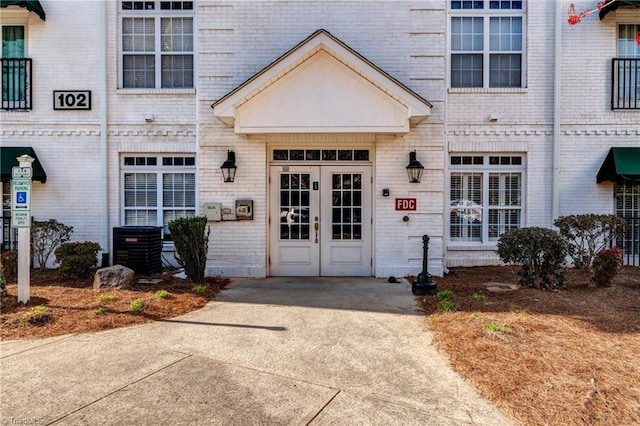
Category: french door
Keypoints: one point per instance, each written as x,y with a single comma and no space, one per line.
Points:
320,221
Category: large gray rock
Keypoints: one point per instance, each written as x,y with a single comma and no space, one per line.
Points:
116,276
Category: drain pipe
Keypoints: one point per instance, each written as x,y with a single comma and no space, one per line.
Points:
557,86
104,166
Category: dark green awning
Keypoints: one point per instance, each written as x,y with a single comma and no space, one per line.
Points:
31,5
8,160
616,4
621,163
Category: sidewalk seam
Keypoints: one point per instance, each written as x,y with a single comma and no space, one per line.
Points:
59,419
323,407
39,346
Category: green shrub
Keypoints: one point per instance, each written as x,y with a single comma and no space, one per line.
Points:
77,259
38,315
100,310
191,239
539,251
494,327
446,305
45,237
477,297
445,301
137,306
606,264
9,262
107,297
445,295
200,289
162,294
587,234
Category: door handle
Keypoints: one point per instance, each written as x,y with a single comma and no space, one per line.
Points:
316,226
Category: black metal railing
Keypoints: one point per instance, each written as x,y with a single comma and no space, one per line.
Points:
629,242
9,235
16,83
625,83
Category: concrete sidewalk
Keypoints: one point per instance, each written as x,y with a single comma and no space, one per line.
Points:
276,351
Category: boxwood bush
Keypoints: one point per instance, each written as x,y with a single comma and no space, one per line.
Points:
77,260
541,254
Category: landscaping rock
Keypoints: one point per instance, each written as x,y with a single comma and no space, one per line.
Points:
116,276
501,287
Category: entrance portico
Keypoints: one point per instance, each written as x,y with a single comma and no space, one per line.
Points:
313,108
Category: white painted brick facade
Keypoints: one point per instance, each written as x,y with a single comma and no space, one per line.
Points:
236,39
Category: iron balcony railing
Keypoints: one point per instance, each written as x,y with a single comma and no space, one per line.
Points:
625,83
16,83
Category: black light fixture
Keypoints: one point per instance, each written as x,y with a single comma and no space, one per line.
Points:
414,169
229,167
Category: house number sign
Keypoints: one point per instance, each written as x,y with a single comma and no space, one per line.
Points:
72,99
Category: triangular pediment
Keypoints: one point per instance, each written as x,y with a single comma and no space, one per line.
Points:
321,86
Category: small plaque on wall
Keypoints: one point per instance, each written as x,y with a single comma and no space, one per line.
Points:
72,99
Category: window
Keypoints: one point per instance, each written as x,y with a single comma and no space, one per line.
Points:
487,43
320,155
16,69
626,69
628,208
157,44
157,190
485,196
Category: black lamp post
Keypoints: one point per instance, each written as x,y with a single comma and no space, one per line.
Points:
229,167
414,169
424,285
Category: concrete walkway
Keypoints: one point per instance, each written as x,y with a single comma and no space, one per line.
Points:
274,351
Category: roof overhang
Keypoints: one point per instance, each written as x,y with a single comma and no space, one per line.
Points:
31,5
620,164
322,86
612,6
8,159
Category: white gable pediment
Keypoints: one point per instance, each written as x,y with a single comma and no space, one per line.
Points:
321,86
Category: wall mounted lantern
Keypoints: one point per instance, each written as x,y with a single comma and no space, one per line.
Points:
229,167
414,169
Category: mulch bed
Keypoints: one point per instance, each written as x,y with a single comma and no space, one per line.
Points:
73,306
566,357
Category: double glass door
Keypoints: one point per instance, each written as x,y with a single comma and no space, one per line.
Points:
320,222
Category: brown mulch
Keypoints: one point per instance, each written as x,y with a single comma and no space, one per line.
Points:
568,357
74,306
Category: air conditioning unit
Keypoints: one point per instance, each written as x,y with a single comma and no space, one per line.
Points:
138,248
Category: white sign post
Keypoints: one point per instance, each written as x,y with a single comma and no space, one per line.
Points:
21,219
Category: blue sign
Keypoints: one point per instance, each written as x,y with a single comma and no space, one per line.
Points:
21,197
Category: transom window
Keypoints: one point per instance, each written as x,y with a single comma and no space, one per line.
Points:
485,196
487,43
320,155
157,190
157,44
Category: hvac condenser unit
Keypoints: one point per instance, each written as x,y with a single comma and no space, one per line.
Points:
138,248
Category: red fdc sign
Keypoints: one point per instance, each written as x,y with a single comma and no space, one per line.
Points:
405,203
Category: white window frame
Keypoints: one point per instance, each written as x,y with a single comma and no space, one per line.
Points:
472,210
631,85
486,13
159,170
157,14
